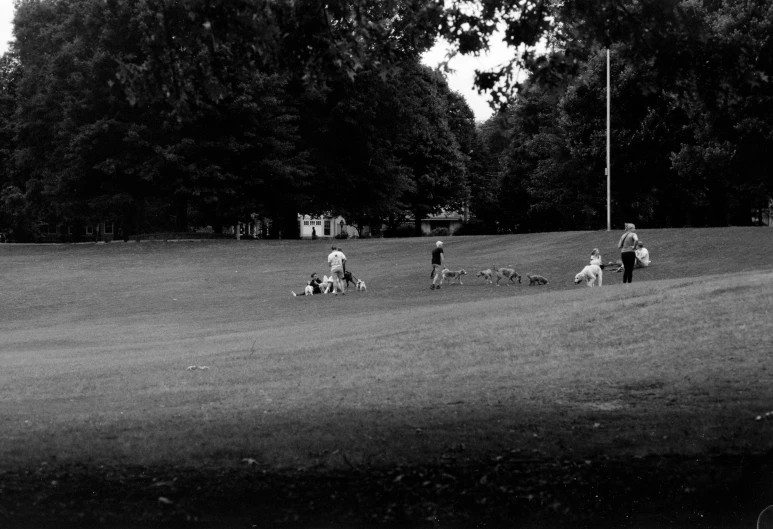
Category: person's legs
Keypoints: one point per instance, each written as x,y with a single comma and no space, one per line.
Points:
629,260
438,279
338,280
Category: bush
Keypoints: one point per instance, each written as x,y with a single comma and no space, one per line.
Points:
440,232
342,235
406,230
475,228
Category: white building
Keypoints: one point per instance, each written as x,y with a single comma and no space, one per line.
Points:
324,227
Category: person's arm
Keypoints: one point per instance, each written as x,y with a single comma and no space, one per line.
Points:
442,258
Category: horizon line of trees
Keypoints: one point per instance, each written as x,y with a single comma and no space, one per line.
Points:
167,114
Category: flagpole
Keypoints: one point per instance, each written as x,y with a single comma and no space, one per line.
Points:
609,175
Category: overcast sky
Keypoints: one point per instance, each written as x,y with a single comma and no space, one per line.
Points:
461,81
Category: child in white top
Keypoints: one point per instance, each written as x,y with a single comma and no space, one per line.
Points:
595,257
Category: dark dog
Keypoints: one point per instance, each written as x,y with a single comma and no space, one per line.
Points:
349,278
536,280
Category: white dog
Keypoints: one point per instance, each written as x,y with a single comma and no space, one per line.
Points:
589,274
308,291
361,285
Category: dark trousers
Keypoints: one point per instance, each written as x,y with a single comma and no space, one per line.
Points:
629,260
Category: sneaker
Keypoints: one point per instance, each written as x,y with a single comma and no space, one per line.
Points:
294,294
438,287
432,287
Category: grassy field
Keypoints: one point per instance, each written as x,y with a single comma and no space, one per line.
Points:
635,406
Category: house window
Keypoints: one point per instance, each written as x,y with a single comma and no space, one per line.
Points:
89,229
319,223
108,227
305,222
327,228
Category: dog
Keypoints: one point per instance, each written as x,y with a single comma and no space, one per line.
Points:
349,278
453,275
537,280
361,285
590,274
487,275
308,291
509,273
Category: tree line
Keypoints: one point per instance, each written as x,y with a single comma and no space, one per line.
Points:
171,114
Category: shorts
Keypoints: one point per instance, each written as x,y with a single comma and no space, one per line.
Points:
337,271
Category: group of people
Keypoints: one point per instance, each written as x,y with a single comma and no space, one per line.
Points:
337,262
633,254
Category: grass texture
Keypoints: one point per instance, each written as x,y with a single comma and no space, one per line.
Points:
96,341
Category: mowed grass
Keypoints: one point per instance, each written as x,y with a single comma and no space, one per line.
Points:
95,342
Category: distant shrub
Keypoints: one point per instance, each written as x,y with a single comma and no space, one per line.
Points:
441,232
343,235
406,230
474,228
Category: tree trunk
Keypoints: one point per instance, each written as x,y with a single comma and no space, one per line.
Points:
181,214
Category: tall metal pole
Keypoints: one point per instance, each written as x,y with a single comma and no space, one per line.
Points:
609,169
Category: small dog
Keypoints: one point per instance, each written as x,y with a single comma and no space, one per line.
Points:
537,280
590,274
509,273
487,275
308,291
361,285
453,275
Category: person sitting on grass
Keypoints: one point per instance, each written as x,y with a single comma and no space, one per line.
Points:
595,258
314,283
642,256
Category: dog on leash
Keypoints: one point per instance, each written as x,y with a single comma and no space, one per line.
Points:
590,274
537,280
507,272
487,275
453,275
361,285
349,278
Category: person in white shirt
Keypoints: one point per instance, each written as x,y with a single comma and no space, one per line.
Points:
337,262
595,258
642,256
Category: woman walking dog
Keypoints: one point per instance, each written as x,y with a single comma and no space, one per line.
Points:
627,245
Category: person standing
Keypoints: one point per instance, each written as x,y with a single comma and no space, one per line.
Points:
437,266
337,262
627,245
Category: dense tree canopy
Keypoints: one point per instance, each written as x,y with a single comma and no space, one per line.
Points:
168,114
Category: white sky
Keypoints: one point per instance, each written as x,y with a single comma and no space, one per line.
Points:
465,65
6,24
461,81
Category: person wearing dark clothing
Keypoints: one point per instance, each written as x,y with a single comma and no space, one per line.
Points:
627,245
437,266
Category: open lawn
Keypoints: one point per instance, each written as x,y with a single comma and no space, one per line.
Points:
476,405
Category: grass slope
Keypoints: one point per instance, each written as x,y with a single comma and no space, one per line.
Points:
95,341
